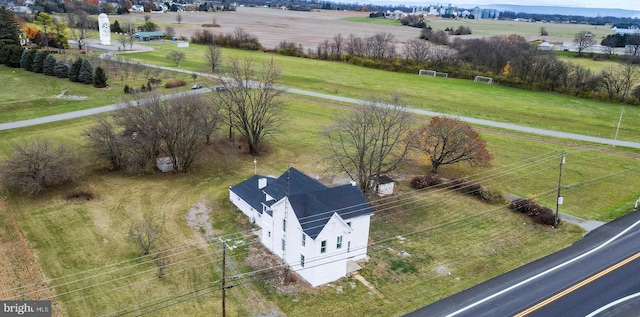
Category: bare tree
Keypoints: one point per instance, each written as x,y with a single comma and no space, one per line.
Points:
251,101
129,29
369,142
79,23
583,41
169,32
105,143
355,46
213,55
416,50
150,127
543,31
447,141
124,39
145,235
618,82
381,46
141,137
337,46
183,123
632,49
39,165
176,57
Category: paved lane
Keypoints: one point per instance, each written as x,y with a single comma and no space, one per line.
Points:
488,123
520,289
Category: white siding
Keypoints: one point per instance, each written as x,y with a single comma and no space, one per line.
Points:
320,268
246,209
385,189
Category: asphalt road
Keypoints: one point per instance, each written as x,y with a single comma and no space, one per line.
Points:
577,281
495,124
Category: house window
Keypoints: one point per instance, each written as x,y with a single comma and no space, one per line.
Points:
284,225
301,260
323,246
283,245
304,239
339,243
348,246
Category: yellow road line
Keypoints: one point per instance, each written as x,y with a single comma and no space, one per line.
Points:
577,286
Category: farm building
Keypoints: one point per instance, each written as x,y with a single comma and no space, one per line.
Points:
148,36
317,230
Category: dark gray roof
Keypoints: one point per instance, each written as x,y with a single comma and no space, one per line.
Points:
249,192
314,209
385,179
276,187
312,202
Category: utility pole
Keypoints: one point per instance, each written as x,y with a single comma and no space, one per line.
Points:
224,271
615,138
559,201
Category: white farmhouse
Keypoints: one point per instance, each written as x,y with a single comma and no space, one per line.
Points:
315,229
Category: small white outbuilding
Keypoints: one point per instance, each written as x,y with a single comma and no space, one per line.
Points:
164,164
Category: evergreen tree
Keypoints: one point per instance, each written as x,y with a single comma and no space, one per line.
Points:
74,70
100,78
9,28
28,62
15,54
4,54
85,75
38,61
49,64
115,27
24,58
61,69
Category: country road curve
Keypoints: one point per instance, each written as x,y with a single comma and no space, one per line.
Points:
488,123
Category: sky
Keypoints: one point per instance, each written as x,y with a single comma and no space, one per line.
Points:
609,4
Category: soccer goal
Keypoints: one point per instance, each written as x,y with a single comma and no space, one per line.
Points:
425,72
482,79
443,75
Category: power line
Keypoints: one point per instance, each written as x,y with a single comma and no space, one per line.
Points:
310,259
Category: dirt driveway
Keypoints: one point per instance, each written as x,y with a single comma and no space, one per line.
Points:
272,26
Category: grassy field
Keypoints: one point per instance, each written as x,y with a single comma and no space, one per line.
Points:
452,96
70,237
595,66
498,27
379,21
21,101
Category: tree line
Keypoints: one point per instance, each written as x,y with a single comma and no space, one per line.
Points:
150,126
510,60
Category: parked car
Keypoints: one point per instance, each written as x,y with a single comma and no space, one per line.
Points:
220,88
196,86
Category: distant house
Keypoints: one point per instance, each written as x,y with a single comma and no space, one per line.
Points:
148,36
164,164
545,46
136,8
315,229
616,30
22,9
